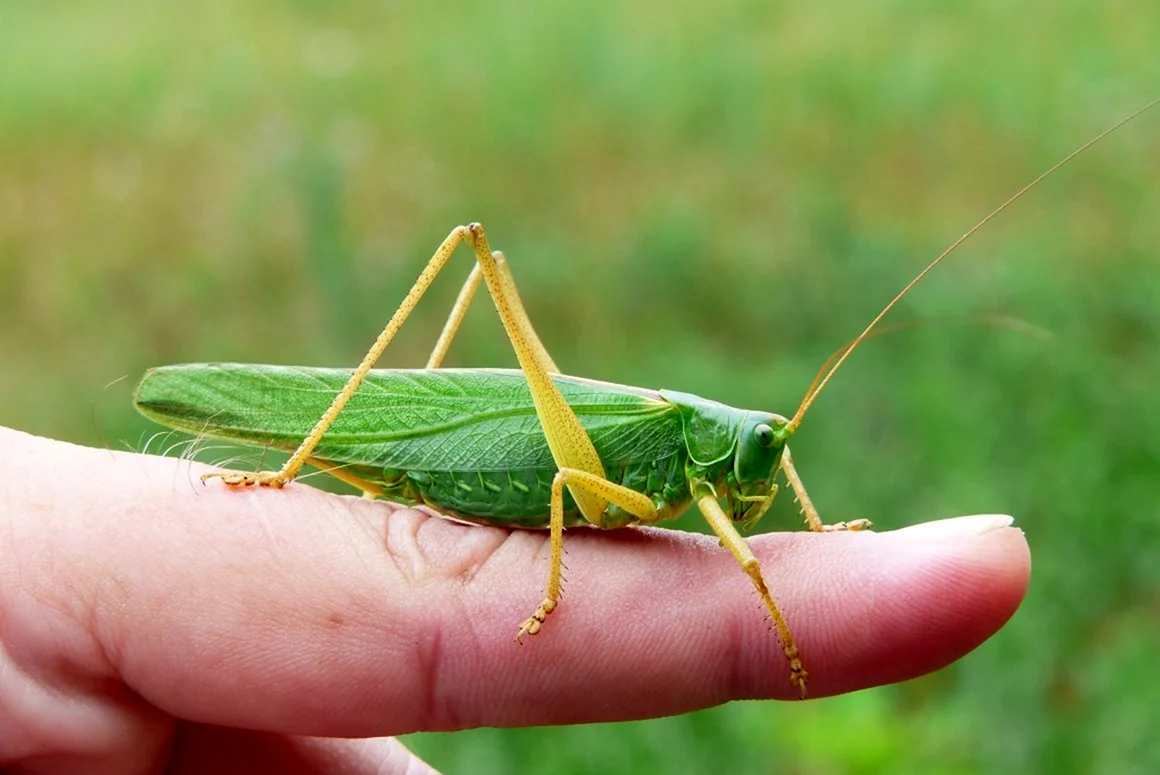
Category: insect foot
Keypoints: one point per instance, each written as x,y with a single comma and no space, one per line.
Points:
532,625
797,672
247,478
854,524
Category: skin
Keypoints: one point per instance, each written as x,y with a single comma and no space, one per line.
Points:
151,623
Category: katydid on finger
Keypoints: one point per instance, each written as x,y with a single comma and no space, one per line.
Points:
523,448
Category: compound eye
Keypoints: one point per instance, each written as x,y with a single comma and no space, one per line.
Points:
764,435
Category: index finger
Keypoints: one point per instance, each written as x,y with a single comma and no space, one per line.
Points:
302,612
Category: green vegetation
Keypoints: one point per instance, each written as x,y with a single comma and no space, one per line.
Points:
705,196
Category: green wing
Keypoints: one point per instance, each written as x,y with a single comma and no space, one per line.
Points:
413,420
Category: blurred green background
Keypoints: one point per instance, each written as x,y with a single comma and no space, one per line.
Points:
706,196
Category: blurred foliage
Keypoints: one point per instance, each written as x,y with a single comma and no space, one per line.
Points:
707,196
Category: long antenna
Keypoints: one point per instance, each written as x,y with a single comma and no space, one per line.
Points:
824,375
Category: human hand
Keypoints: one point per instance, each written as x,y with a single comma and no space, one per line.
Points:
151,622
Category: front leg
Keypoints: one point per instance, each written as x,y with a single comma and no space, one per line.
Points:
722,525
808,509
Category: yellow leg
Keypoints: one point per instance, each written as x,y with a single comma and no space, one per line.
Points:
455,319
369,489
635,503
466,294
521,314
306,448
813,519
567,440
723,526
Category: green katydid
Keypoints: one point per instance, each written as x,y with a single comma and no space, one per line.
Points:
526,448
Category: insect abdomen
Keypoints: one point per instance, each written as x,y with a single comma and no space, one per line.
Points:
503,498
522,498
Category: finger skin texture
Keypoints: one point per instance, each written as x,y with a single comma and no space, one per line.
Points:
135,600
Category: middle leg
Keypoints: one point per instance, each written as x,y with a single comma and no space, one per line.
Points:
635,503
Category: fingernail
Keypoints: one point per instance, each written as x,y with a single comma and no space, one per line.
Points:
956,527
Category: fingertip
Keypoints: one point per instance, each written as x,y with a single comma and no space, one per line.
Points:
901,604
